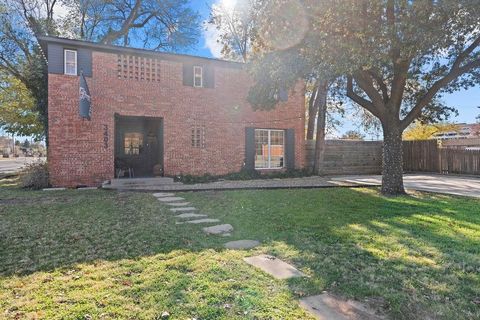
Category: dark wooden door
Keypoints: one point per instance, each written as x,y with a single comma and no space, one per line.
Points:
137,144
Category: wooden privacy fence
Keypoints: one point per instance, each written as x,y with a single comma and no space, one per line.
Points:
365,157
459,161
428,156
348,156
421,156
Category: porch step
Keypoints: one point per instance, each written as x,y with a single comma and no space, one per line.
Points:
141,182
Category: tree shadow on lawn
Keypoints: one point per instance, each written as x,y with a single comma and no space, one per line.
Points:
415,256
60,229
94,254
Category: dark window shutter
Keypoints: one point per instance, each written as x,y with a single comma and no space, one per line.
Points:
55,58
250,148
290,148
84,62
188,74
209,76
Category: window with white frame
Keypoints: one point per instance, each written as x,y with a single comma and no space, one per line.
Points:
70,62
197,76
269,148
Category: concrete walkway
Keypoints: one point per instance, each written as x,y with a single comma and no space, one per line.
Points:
305,182
447,184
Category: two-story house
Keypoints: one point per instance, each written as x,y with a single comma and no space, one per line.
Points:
158,113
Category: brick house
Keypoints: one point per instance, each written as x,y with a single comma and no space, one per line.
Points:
156,113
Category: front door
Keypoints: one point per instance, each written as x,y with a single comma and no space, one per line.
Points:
138,146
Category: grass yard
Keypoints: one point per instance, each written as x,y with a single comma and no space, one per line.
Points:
107,255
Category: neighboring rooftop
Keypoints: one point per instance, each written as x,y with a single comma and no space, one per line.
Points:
464,131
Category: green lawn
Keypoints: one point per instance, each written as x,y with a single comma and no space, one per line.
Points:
107,255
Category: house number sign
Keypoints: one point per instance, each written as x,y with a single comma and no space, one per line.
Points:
105,136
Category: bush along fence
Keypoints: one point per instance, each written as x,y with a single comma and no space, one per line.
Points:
365,157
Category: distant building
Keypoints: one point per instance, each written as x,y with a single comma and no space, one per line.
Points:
464,131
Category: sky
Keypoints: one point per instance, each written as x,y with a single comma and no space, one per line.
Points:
466,101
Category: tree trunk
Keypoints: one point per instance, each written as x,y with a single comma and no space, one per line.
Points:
392,171
312,113
321,106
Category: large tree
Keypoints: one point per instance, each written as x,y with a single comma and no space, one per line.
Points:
155,24
17,108
397,56
234,24
236,27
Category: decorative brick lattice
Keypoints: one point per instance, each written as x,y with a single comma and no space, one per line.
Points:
138,68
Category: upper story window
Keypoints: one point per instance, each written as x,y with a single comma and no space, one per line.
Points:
70,62
197,76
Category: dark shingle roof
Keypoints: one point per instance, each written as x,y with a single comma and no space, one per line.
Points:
44,40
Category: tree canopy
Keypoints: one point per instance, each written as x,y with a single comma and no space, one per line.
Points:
17,108
398,58
168,25
419,131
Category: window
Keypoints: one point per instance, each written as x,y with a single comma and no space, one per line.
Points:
198,137
133,143
269,148
70,62
197,76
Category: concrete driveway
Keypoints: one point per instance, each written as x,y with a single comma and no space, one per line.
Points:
12,165
448,184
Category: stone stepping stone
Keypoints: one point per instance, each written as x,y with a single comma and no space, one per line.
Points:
327,306
241,244
208,220
183,209
274,267
191,215
171,199
163,194
178,204
219,229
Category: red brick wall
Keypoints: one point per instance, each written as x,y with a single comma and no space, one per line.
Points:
79,155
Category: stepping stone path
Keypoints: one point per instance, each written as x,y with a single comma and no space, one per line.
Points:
183,209
274,267
163,194
170,199
241,244
178,204
191,215
208,220
327,306
220,229
324,306
186,213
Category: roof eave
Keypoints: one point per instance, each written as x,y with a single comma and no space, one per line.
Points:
45,40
